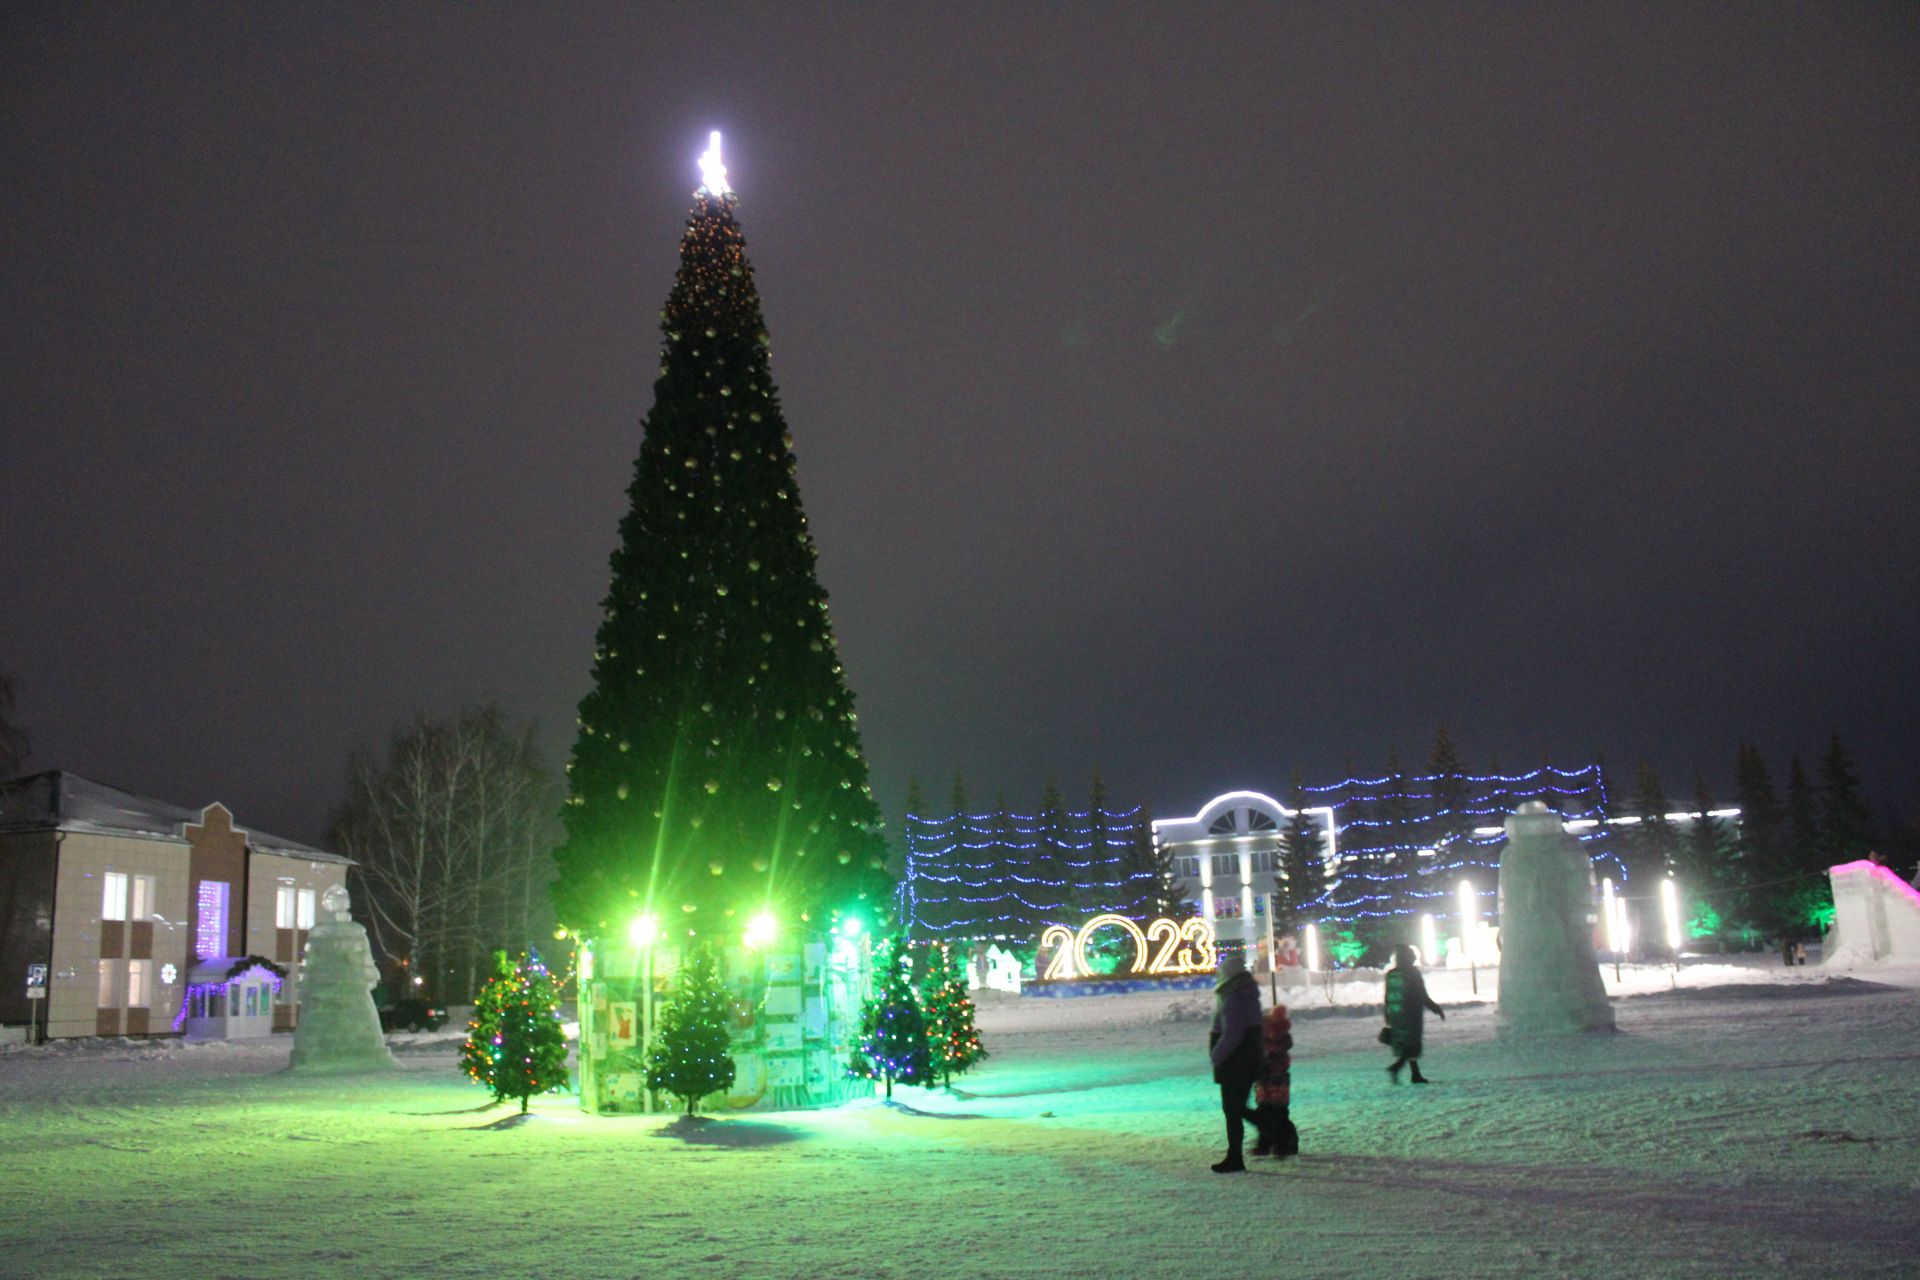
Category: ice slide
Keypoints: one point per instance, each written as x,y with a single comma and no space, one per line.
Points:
1876,916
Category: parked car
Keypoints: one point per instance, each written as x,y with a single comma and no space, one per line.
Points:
411,1015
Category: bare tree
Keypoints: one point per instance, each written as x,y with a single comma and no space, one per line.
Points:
453,832
13,734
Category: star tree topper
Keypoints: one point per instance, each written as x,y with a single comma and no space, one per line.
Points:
713,174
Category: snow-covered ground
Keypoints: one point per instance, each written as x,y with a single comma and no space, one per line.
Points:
1754,1121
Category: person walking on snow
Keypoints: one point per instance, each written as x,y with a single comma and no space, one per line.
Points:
1407,1003
1273,1094
1234,1045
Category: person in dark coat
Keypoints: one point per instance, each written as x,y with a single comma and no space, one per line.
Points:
1234,1046
1407,1003
1273,1095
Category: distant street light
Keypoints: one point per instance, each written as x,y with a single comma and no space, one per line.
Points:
1469,918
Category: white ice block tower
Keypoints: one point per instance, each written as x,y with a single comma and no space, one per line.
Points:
1549,977
339,1029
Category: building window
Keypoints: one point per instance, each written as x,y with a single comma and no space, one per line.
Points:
109,984
304,916
1188,866
283,907
1226,864
113,902
1260,860
210,920
139,983
142,908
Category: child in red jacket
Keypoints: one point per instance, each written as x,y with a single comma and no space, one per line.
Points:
1273,1091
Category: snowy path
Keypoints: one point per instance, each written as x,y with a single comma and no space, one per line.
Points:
1748,1129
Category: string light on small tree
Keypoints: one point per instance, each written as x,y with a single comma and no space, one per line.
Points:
893,1029
690,1059
515,1044
952,1039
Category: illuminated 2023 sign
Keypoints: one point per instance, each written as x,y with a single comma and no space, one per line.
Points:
1184,947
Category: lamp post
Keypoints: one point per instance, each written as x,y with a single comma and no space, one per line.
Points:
1610,907
643,933
1670,908
1429,938
1469,917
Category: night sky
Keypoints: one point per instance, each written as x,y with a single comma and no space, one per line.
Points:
1198,394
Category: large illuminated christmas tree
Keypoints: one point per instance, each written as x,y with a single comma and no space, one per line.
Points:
718,769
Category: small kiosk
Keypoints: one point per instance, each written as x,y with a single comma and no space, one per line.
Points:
795,1021
230,998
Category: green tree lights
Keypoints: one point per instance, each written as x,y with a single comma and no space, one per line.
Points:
689,1059
515,1045
718,761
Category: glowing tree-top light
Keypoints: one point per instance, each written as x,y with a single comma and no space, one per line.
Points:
761,930
713,174
644,930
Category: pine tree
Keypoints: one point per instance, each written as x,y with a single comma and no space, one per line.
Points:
1846,820
718,760
1760,828
1007,859
1101,858
1700,861
515,1045
1052,852
1805,849
1301,881
1451,794
1149,866
1652,845
952,1040
893,1030
1705,845
689,1058
1401,830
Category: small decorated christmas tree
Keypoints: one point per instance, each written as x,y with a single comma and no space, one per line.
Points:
514,1044
893,1031
952,1039
689,1060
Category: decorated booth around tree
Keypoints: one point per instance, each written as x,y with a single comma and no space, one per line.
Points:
791,1006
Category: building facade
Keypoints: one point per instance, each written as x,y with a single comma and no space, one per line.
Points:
136,910
1391,849
1382,853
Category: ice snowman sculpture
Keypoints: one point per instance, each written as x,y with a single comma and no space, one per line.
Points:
339,1029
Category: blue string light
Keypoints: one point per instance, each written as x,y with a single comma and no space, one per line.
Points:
960,863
